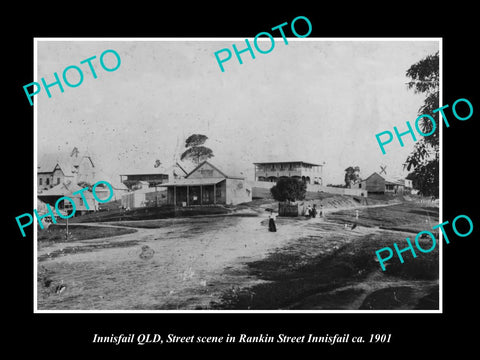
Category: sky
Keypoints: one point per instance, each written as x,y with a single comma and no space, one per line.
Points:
314,99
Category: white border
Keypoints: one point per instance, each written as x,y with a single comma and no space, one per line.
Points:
440,190
35,180
153,39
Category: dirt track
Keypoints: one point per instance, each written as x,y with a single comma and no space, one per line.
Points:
195,261
189,256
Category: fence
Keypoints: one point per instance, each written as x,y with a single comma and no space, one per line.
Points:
338,191
285,209
316,188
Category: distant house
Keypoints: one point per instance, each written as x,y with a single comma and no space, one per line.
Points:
67,188
408,184
132,178
54,169
308,172
376,183
208,185
143,196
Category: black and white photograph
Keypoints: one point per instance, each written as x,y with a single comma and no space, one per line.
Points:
225,180
260,187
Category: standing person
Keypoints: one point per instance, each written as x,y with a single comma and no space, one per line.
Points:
308,212
314,211
271,222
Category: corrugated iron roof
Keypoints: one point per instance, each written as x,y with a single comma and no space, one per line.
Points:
231,171
65,189
388,180
68,163
287,162
193,182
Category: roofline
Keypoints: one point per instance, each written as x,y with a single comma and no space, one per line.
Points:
51,173
57,164
181,168
89,159
368,177
387,180
143,174
201,164
179,183
286,162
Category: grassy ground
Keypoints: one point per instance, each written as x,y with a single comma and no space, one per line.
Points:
402,217
163,223
304,276
57,233
147,213
308,264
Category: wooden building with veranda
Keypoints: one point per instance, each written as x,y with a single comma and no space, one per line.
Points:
207,185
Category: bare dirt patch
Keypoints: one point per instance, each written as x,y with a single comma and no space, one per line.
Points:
233,262
338,270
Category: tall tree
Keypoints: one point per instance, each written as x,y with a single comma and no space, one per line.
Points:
196,152
195,140
352,175
424,159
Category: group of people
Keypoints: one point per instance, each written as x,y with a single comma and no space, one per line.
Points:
311,212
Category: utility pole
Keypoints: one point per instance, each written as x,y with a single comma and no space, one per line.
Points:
66,235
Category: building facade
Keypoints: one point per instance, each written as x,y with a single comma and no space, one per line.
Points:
163,174
55,169
67,189
376,183
308,172
131,181
208,185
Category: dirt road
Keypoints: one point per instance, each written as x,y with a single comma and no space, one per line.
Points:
193,262
189,256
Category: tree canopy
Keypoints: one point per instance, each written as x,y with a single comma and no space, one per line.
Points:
195,151
195,140
424,159
352,175
289,189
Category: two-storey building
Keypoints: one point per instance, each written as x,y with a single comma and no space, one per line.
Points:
54,169
308,172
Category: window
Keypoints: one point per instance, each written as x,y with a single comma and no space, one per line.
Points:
40,181
58,181
47,181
